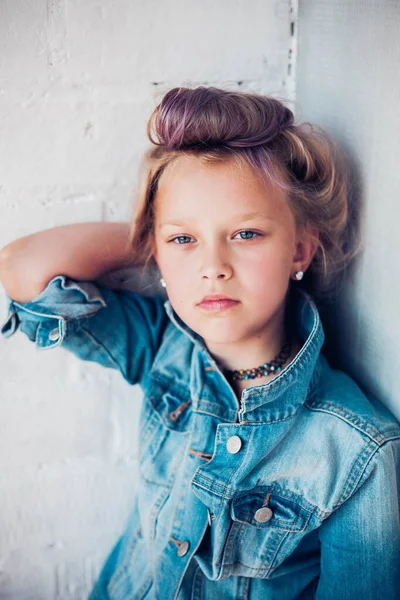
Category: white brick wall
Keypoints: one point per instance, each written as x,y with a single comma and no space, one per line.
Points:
78,80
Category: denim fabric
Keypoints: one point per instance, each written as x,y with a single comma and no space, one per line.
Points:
308,505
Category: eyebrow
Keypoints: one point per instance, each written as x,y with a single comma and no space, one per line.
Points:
241,218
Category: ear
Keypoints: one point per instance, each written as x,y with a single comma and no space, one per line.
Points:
306,247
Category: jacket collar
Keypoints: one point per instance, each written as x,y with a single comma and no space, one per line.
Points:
295,382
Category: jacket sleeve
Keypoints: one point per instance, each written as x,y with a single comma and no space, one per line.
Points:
119,329
360,542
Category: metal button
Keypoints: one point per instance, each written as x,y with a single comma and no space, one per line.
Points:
234,444
54,334
183,548
262,515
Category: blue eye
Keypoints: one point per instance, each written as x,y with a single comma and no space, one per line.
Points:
249,231
179,237
253,233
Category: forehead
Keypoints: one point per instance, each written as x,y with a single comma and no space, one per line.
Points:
189,186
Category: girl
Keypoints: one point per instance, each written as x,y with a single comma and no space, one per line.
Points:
265,472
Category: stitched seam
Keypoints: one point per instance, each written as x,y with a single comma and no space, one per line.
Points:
355,475
55,316
166,384
101,345
355,421
272,420
310,508
366,465
283,539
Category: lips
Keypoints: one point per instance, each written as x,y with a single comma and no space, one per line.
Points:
215,297
217,303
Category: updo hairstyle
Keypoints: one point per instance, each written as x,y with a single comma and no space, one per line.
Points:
214,125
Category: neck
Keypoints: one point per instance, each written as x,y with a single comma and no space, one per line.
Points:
240,385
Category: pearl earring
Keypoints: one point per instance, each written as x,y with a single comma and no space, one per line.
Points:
163,282
299,275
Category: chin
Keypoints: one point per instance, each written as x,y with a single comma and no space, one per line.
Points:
219,335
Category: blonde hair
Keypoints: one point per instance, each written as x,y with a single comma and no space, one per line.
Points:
215,124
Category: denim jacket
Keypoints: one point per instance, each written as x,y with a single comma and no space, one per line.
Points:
293,492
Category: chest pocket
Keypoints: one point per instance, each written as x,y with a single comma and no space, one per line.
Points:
266,527
164,425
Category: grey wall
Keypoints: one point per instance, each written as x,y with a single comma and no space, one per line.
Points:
348,81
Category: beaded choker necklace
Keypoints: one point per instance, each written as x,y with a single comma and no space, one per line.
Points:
275,365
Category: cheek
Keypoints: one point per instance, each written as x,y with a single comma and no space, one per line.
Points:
267,268
172,265
180,276
180,279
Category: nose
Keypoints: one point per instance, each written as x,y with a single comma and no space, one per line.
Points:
215,265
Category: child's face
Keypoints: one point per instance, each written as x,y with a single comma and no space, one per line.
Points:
212,257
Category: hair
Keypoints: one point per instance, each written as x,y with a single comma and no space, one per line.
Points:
217,125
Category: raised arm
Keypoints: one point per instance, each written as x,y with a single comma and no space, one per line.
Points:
53,298
82,251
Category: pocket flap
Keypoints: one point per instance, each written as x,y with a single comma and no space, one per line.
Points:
172,404
287,514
